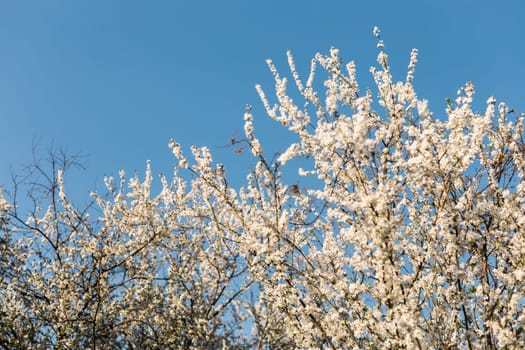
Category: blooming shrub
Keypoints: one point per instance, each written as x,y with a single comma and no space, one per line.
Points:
411,235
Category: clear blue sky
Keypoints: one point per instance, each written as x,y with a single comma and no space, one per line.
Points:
115,80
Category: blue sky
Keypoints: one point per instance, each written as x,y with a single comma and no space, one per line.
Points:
115,80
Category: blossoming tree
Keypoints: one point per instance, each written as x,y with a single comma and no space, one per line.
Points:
410,235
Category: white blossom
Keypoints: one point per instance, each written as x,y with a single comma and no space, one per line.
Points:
409,236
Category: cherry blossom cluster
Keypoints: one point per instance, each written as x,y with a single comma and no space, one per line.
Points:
409,233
